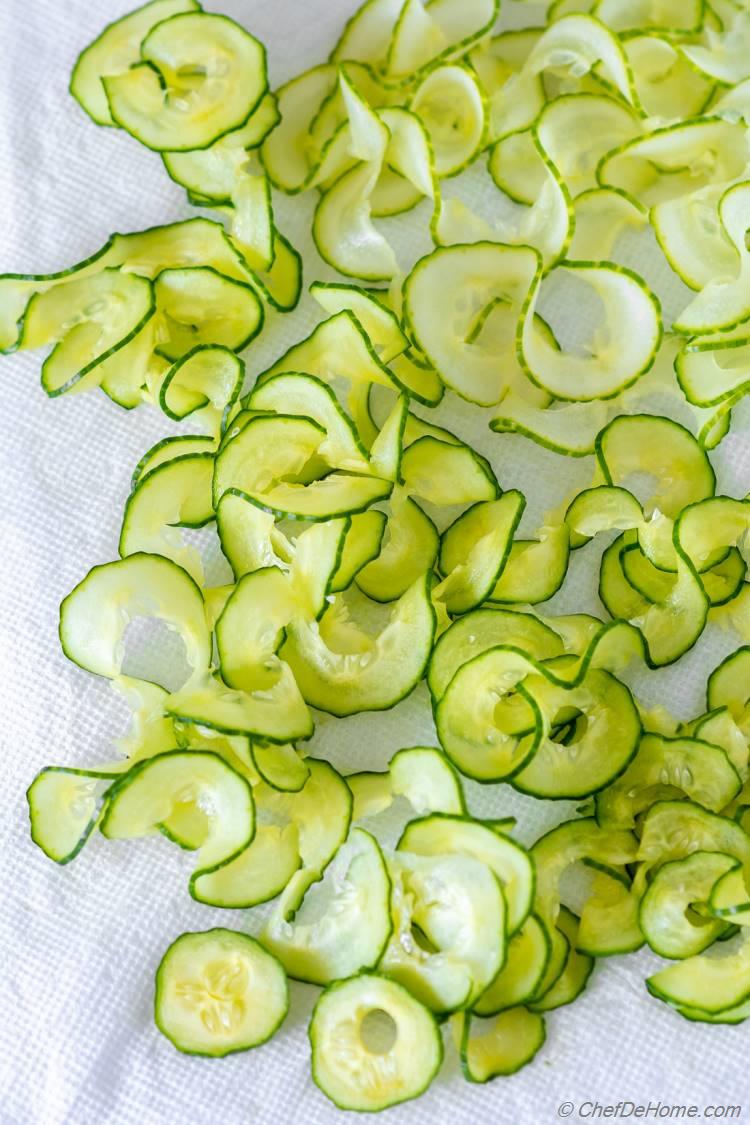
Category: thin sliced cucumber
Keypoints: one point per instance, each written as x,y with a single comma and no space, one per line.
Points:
218,992
344,1064
474,551
339,926
64,808
574,977
95,615
448,939
199,76
670,914
505,1045
384,670
440,834
523,971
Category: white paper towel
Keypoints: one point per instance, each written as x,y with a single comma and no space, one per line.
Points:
79,945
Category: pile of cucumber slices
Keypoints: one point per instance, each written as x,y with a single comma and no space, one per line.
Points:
372,549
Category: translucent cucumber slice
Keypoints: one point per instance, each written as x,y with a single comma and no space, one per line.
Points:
64,808
356,1073
250,630
95,615
483,629
535,569
342,924
453,108
594,746
448,939
675,829
384,670
609,922
727,687
575,975
274,712
200,305
509,1043
193,796
671,917
521,975
257,874
115,50
442,296
199,76
362,544
218,992
174,494
87,319
409,549
712,984
210,172
440,834
444,474
378,321
474,551
209,376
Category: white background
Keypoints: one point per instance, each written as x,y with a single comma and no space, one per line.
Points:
79,945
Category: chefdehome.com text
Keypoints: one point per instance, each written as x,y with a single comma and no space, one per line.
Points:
647,1111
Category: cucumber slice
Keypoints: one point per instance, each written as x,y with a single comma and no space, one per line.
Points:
471,715
694,767
338,348
508,1044
604,736
115,50
440,317
440,834
575,975
676,829
408,551
729,898
174,494
521,975
64,808
88,319
281,767
95,615
340,926
207,378
217,992
384,669
484,629
257,874
275,712
448,939
378,321
182,445
311,398
622,352
711,984
362,544
250,630
421,774
199,76
535,569
569,428
727,687
553,854
200,304
609,922
194,797
670,915
249,536
474,551
453,108
645,443
601,508
357,1074
443,473
211,172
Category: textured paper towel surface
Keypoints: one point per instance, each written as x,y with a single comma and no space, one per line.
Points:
79,945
